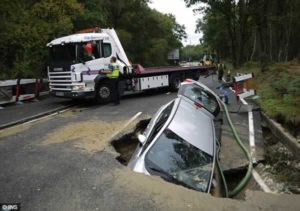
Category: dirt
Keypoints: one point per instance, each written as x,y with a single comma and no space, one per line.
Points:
89,136
126,144
14,130
167,196
71,113
281,171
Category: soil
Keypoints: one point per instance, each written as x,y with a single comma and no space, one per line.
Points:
89,136
14,130
167,196
126,144
281,170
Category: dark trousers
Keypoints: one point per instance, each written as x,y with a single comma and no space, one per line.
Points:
220,75
115,90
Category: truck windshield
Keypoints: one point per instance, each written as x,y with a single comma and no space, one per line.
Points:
178,161
63,53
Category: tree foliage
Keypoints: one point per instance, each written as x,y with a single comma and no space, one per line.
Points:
246,30
27,26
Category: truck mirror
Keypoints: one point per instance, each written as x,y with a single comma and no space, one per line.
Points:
142,138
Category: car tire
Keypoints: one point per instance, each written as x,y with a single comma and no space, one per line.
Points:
103,93
175,82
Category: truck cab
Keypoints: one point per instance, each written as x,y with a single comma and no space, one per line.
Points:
72,73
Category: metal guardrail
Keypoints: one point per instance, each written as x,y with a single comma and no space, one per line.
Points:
22,89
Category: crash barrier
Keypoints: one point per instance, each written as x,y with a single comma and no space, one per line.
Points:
244,85
22,89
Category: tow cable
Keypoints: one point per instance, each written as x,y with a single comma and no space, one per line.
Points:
247,177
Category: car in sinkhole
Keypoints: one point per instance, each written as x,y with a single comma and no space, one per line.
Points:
179,143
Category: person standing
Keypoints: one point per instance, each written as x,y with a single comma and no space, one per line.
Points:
221,69
114,80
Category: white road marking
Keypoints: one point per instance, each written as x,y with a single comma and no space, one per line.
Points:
126,124
261,182
45,117
36,119
251,132
255,175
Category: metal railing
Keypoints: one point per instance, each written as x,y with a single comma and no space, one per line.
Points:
22,89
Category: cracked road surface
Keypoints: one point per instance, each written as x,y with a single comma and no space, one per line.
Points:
65,162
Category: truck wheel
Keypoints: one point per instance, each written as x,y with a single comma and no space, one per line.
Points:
196,75
175,82
103,93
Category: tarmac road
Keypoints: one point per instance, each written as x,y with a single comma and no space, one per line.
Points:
65,162
12,114
60,176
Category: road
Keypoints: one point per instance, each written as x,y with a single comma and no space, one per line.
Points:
43,167
66,162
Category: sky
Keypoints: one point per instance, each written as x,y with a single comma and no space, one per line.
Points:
184,16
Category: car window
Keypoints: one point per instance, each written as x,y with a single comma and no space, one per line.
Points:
179,159
200,95
161,120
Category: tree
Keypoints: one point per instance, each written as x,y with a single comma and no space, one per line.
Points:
25,35
254,28
146,34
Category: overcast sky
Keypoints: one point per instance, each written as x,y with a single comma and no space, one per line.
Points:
183,16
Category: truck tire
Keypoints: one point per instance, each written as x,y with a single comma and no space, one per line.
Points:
175,82
103,93
196,75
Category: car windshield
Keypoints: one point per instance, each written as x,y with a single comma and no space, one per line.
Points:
200,95
177,160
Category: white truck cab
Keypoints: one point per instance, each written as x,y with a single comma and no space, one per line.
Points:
71,74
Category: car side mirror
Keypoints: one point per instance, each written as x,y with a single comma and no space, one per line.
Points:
142,138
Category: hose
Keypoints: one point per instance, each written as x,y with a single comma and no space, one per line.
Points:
220,169
247,177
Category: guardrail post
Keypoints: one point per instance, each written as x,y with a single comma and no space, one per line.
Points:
18,89
37,88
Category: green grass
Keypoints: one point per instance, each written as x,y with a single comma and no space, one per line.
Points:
279,91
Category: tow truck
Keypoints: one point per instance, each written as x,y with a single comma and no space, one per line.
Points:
71,75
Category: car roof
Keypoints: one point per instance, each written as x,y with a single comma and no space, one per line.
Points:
194,125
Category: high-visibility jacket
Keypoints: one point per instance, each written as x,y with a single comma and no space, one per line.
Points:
115,71
221,67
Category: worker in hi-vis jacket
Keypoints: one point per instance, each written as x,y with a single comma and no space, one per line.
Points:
114,79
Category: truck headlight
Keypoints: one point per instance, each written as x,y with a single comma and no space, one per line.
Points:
78,88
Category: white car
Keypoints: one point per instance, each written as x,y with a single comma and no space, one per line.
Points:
179,144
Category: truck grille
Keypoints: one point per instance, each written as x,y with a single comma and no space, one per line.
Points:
60,81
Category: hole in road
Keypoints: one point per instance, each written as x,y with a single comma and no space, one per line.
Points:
127,143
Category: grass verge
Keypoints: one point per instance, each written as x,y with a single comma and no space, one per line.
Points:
279,91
